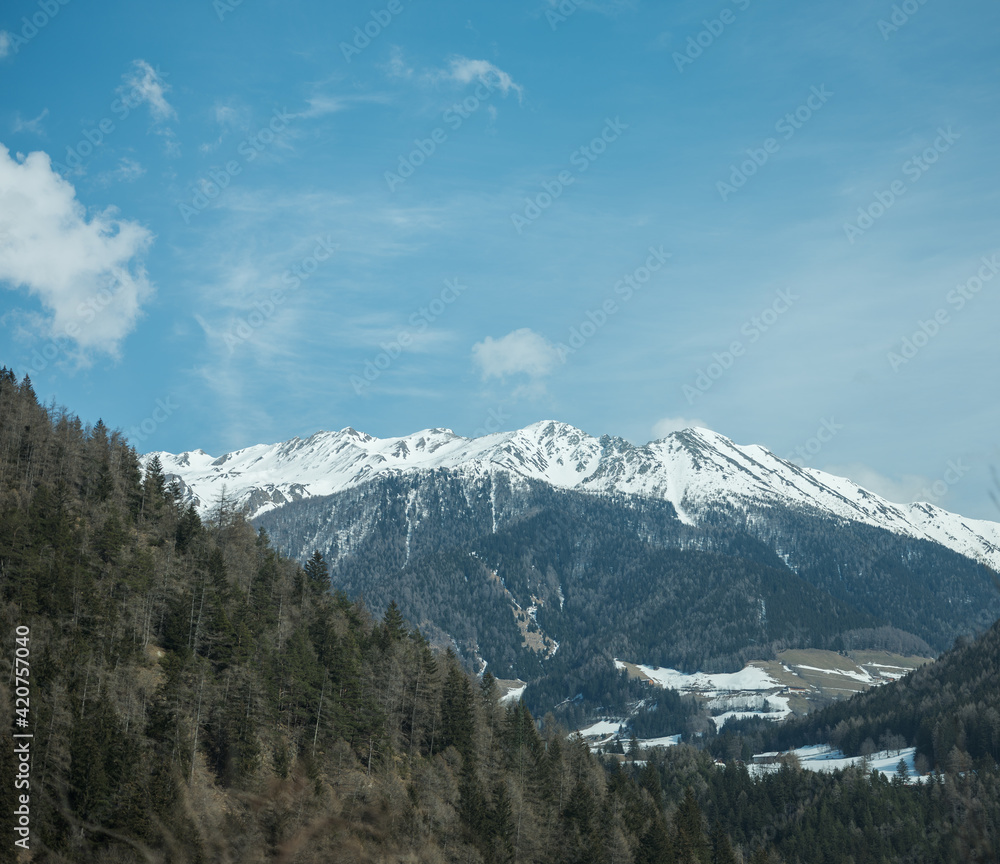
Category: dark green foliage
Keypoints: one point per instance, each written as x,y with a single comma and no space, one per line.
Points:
802,816
317,573
393,623
188,528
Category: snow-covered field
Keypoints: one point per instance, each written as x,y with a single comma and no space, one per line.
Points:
894,672
743,692
862,676
821,757
748,678
668,741
604,733
602,728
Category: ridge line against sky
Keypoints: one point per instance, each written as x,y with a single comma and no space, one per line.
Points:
226,223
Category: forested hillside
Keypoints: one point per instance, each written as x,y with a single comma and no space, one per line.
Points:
196,697
616,576
948,710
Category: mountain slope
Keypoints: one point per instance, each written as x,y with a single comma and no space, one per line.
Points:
626,574
545,553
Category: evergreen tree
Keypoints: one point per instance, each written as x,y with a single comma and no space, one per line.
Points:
722,847
317,573
153,487
655,846
692,844
393,622
457,720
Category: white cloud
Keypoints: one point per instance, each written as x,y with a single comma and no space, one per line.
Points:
4,44
904,490
144,84
465,71
520,352
85,272
662,428
34,125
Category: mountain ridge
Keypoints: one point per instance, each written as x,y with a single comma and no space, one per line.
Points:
693,469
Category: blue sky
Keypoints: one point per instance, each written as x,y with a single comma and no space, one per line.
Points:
230,223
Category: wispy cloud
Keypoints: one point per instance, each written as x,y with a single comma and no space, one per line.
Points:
324,104
464,70
230,116
34,125
128,171
86,272
267,244
144,84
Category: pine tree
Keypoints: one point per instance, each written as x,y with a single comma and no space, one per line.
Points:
634,750
457,719
649,779
722,847
153,488
690,828
488,690
188,527
655,846
393,623
317,573
902,774
502,827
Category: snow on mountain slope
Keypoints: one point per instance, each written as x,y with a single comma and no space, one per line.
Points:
694,469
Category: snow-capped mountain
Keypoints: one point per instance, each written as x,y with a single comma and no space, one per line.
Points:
694,469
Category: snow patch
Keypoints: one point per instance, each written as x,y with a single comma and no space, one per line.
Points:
514,695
